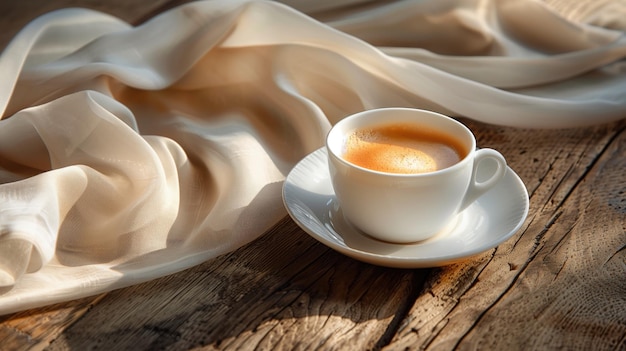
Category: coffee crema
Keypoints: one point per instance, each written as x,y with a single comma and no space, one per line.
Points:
403,148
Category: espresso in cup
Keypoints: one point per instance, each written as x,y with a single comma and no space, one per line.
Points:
401,175
403,148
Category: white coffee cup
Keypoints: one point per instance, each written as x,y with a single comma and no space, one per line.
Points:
404,208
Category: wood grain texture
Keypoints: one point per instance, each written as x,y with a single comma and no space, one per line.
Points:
557,284
551,286
550,282
274,293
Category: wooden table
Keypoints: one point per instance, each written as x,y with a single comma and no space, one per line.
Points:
559,283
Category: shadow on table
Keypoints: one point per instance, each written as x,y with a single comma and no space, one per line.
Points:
285,285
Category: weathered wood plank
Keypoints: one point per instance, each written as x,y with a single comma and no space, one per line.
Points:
283,291
286,291
35,329
560,282
285,285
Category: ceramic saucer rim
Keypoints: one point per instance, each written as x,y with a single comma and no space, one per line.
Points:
389,259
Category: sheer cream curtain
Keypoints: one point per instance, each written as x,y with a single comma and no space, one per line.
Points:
128,153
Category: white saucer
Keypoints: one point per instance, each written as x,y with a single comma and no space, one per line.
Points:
492,219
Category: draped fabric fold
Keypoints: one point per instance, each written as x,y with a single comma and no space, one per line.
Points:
132,152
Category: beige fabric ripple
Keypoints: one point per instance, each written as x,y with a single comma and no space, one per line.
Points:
132,152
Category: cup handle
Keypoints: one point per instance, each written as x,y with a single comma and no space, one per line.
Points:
478,187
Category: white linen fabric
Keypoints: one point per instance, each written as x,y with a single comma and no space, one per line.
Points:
132,152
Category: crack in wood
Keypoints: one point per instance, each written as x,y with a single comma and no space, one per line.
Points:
591,165
556,276
562,239
534,253
614,254
403,311
542,233
456,304
537,241
435,331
